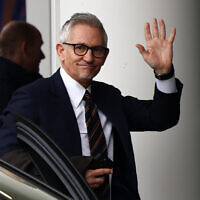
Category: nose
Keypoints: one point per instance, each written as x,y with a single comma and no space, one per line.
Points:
88,57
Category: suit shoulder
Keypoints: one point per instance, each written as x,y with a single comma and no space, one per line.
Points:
37,87
105,87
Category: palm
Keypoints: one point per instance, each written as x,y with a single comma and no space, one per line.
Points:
159,52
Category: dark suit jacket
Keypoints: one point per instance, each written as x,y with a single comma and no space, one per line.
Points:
12,77
46,102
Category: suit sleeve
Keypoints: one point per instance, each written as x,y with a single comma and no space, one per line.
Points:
21,103
6,91
158,114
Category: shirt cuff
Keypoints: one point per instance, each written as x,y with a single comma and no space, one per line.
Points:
167,86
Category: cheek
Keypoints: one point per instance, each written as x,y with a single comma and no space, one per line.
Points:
68,61
68,57
69,64
98,69
100,63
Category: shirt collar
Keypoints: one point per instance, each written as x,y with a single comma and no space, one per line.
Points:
75,90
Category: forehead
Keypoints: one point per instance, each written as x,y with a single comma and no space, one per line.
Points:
86,34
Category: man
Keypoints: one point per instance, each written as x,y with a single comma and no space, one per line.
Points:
61,103
20,45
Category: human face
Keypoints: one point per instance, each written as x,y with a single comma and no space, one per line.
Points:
82,68
36,53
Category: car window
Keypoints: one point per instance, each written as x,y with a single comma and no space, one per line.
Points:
17,185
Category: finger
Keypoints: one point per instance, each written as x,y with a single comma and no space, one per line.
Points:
93,180
155,28
96,180
140,48
162,30
100,180
172,35
98,172
102,172
147,32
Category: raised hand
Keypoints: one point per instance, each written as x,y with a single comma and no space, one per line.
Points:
159,51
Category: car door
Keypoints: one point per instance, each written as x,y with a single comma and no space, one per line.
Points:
54,166
18,185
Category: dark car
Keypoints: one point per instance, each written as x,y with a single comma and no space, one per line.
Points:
17,185
59,178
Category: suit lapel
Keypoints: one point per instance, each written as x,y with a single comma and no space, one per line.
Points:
109,102
106,102
67,124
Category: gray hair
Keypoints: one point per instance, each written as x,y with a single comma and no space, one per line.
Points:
82,18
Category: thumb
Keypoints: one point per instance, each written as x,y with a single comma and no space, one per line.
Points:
140,48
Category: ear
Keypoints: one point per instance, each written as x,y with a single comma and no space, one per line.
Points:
60,51
107,52
21,53
105,56
25,49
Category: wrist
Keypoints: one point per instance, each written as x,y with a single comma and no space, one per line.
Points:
165,76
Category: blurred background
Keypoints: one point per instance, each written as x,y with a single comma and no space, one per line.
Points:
12,10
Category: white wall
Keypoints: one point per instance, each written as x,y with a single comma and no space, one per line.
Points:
167,163
38,14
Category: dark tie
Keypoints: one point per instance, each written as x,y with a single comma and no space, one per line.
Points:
96,136
97,139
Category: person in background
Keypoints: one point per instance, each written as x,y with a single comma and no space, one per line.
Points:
86,117
20,47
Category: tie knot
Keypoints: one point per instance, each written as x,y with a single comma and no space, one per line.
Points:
87,96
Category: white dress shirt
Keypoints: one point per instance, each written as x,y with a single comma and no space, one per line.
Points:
76,92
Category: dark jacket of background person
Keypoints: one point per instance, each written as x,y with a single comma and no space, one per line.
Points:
12,77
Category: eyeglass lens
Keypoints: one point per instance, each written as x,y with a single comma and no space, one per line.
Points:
97,51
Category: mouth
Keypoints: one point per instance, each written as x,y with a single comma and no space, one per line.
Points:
85,65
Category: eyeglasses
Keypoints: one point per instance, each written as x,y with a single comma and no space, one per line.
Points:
82,49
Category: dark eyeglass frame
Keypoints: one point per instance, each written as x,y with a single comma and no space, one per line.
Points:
105,49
